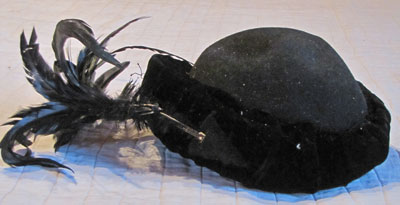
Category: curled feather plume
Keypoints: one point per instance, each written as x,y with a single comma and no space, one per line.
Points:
75,96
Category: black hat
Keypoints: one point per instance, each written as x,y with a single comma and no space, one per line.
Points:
280,109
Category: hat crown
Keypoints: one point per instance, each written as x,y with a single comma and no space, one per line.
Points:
288,73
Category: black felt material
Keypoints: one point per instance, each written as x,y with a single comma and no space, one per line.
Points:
256,148
291,74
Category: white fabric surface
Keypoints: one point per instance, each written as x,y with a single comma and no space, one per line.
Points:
117,165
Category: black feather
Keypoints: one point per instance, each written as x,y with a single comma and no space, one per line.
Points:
109,75
72,103
128,89
75,101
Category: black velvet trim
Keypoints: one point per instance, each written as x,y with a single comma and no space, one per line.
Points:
279,157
